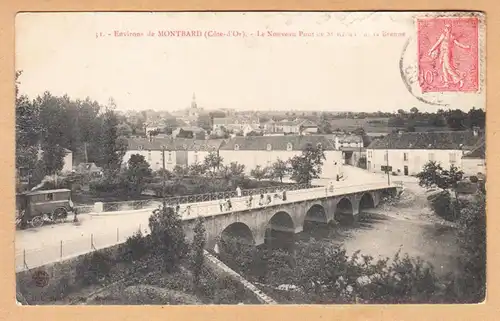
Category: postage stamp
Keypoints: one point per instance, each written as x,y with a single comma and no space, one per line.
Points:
448,54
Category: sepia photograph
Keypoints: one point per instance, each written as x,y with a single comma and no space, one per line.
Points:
250,158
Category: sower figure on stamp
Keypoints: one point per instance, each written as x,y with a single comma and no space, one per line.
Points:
444,47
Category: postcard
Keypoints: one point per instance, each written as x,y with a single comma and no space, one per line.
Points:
197,158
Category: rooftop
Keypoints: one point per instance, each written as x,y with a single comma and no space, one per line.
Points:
276,142
479,151
173,144
455,140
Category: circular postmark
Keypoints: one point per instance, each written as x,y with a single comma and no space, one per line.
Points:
413,78
41,278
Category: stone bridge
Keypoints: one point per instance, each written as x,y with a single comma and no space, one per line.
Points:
254,226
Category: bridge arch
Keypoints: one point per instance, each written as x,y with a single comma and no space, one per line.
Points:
237,232
344,212
280,229
366,201
315,215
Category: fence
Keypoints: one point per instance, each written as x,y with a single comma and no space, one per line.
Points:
65,249
187,199
26,259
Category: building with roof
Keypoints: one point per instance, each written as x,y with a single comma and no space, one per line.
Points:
265,150
474,162
178,151
194,131
407,153
287,126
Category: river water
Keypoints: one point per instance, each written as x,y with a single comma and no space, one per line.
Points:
383,236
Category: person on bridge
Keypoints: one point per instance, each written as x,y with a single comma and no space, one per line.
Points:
229,205
221,205
250,201
330,187
238,191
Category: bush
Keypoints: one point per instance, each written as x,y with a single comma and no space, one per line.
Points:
136,246
473,179
167,237
94,267
441,204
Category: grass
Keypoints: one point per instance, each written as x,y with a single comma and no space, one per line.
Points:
377,125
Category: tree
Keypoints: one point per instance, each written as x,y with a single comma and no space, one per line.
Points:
456,119
213,161
433,175
167,236
53,158
138,174
113,147
414,110
197,255
197,169
360,131
236,169
325,127
476,117
279,169
181,171
472,239
205,122
259,172
308,165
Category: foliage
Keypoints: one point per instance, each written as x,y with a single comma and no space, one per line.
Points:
259,172
113,147
94,267
213,161
361,132
197,169
307,166
279,169
362,162
433,175
138,174
470,287
136,246
441,204
197,256
167,236
180,171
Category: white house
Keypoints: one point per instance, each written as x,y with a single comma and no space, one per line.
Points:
265,150
67,161
179,151
407,153
474,162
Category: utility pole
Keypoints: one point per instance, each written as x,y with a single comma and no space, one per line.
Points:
86,156
387,168
163,180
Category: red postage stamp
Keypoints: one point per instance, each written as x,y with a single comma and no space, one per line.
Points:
448,54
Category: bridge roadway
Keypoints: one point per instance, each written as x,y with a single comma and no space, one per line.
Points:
36,247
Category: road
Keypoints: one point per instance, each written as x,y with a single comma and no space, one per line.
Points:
39,246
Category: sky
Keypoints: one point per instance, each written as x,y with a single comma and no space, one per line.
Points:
348,65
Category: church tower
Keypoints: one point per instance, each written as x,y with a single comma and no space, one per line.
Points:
193,102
